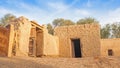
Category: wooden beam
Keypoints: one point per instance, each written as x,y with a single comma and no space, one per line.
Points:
36,25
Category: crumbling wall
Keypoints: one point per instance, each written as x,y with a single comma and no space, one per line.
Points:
24,35
19,37
11,41
4,41
51,44
113,44
89,35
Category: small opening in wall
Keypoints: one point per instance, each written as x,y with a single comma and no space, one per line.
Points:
110,52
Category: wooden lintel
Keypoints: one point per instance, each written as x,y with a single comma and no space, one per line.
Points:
36,25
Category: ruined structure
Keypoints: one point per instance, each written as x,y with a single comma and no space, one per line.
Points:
27,38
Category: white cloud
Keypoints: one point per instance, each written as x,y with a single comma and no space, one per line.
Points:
82,12
61,10
59,6
110,16
4,11
115,13
29,11
45,16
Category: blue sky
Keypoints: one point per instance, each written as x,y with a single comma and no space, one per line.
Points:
45,11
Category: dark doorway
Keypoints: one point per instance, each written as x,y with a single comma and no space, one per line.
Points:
76,48
110,52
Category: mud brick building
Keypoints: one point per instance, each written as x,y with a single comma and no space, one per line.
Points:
27,38
79,40
110,47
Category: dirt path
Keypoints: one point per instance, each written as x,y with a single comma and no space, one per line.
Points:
20,62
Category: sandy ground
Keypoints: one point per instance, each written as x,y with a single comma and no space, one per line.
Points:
27,62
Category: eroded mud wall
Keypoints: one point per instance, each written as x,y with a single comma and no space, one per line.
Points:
4,41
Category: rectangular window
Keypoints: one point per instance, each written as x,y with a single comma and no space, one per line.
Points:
110,52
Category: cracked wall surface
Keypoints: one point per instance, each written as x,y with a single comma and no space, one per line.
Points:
19,37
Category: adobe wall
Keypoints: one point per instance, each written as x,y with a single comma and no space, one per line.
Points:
19,37
24,35
4,41
51,44
113,44
11,41
89,35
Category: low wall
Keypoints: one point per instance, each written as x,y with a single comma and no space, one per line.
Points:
4,38
51,45
113,44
